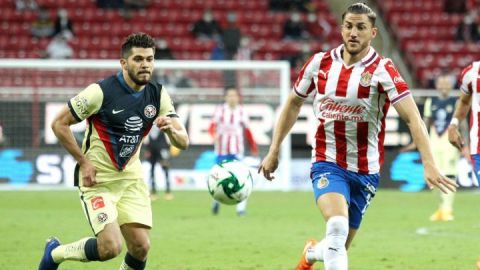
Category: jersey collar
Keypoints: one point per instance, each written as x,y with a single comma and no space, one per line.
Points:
366,61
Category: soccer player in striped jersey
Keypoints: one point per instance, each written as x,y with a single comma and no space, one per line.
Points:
352,88
229,127
469,100
120,111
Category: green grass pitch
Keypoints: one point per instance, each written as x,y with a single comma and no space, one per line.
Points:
395,234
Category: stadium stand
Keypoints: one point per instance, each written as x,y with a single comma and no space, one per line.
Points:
426,36
99,32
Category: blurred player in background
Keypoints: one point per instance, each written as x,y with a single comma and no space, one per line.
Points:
158,150
469,99
120,110
352,87
229,124
437,114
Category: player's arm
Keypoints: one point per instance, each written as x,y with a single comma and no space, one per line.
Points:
80,107
461,111
428,122
175,130
288,116
408,111
169,122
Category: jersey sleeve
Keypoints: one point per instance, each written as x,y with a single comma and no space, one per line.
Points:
466,79
166,105
391,82
87,102
427,108
304,85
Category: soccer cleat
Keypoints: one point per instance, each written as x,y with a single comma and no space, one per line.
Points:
437,216
447,215
303,264
442,215
169,196
47,262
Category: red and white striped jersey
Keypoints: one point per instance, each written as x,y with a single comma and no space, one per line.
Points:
228,126
470,85
350,104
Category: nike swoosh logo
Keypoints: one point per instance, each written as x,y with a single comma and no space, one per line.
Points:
119,111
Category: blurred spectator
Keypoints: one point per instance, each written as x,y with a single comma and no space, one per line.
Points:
162,51
297,60
43,25
288,5
294,27
317,27
110,4
22,5
207,27
246,49
182,81
136,4
231,36
2,137
63,24
454,6
129,6
160,76
218,52
58,48
468,29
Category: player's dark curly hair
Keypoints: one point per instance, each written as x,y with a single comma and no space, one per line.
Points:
139,40
361,8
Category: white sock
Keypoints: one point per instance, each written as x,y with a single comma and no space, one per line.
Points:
316,252
335,255
242,206
125,266
73,252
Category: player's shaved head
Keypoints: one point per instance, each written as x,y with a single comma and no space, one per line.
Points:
138,40
361,8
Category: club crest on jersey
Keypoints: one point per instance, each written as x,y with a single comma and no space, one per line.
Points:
366,79
150,111
323,181
102,217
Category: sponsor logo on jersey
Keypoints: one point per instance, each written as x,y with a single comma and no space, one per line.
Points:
117,111
366,79
150,111
82,104
323,181
129,138
398,79
127,150
97,203
331,109
133,124
102,217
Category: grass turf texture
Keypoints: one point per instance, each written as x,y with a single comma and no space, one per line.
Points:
270,237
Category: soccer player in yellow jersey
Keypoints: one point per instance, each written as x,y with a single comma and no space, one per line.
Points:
437,113
120,110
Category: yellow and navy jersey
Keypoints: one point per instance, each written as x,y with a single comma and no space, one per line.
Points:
118,118
440,111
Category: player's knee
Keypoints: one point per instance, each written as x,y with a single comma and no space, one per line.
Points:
109,249
337,231
140,249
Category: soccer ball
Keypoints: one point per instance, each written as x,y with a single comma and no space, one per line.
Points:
230,182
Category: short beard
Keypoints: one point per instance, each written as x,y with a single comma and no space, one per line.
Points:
133,77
